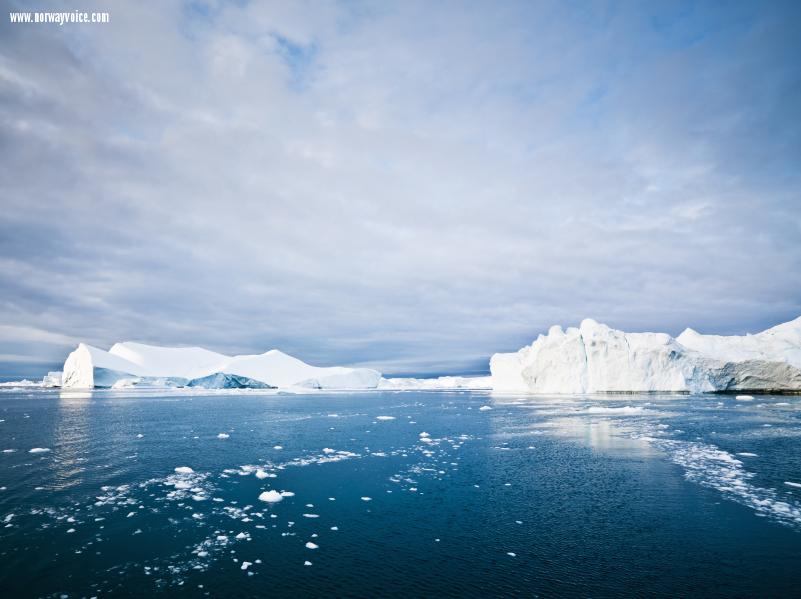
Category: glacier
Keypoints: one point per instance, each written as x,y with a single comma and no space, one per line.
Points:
594,358
131,364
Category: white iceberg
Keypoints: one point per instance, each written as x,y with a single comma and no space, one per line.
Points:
594,358
135,364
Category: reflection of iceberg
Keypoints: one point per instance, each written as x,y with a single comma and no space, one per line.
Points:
130,364
71,438
595,358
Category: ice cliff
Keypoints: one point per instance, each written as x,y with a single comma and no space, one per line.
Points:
131,364
596,358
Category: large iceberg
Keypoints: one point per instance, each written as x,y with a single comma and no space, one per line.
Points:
131,364
595,358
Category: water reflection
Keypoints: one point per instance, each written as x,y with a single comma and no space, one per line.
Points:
71,438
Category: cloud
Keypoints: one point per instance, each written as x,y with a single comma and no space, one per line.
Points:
408,185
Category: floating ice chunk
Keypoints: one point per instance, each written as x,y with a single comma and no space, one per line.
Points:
9,450
39,450
271,496
184,470
311,545
424,434
328,450
385,418
70,531
307,563
744,397
223,436
246,565
748,454
242,535
139,436
485,408
311,515
278,447
335,528
367,498
791,484
511,554
261,474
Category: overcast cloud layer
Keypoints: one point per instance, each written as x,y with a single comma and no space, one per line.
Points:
408,185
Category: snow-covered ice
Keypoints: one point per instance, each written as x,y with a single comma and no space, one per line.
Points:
132,364
271,496
595,358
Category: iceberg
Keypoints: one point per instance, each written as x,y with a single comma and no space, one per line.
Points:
220,380
594,358
136,364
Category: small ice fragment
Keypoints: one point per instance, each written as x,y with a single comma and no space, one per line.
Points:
424,434
744,397
311,545
246,565
511,554
385,418
791,484
184,470
367,498
261,473
748,454
328,450
39,450
307,563
518,522
278,447
139,436
223,436
271,496
131,514
311,515
484,408
242,535
335,528
71,530
287,494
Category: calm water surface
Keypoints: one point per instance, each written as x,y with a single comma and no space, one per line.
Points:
386,494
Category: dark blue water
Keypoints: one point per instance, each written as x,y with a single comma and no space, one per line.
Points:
615,496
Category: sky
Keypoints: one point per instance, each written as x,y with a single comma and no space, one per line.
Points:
410,186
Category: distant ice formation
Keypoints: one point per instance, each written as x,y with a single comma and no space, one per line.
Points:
135,364
595,358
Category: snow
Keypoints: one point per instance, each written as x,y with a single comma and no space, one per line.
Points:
271,496
596,358
130,364
781,343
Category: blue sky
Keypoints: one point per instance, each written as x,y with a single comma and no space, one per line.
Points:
408,185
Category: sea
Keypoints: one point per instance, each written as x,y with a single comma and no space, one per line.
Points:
142,493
